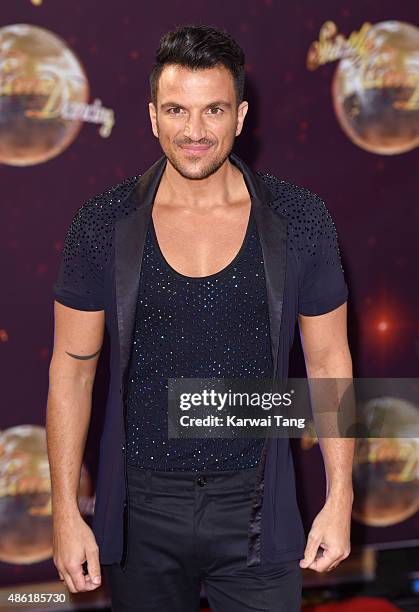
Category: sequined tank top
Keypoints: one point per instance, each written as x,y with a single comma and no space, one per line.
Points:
211,326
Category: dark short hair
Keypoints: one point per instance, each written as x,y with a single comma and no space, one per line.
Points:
198,47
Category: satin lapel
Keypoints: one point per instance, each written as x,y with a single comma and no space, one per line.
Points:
130,235
273,238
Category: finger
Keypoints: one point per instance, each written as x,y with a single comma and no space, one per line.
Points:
69,583
93,567
310,550
77,576
88,584
320,564
324,561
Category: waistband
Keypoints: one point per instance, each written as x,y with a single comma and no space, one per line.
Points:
188,480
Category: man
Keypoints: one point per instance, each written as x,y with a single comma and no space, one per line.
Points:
198,268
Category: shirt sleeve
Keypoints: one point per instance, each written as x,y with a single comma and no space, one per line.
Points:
80,280
323,287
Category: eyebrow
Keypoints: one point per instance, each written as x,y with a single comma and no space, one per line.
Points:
215,103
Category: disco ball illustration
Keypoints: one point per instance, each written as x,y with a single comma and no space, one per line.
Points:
386,469
376,95
25,495
42,83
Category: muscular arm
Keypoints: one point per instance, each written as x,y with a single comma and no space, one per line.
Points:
327,355
78,340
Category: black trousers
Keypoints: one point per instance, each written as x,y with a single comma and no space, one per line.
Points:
188,529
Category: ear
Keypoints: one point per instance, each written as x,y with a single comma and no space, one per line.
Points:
241,114
153,118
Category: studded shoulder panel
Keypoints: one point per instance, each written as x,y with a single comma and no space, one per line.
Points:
313,245
87,247
311,230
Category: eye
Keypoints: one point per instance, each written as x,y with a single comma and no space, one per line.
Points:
174,110
215,108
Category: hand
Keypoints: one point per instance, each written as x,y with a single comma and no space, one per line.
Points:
73,544
331,532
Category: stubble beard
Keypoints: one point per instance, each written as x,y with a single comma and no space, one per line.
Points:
199,173
192,171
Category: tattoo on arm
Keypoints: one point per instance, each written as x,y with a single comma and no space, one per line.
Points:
83,356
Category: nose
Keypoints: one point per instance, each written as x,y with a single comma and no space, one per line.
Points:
194,127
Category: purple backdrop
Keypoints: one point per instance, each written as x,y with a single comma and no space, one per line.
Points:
291,130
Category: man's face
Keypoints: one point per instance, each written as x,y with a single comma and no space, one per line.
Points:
197,118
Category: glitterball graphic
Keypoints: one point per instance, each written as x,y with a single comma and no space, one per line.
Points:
25,495
375,88
386,469
41,80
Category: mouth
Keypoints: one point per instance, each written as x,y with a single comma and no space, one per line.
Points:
195,149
